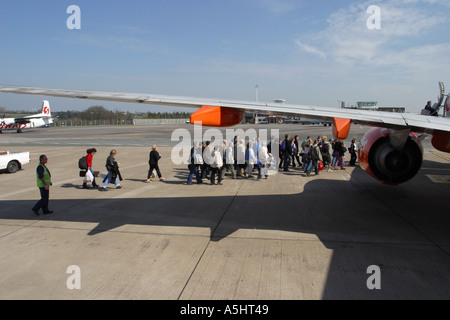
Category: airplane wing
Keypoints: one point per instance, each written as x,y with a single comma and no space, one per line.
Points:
21,121
391,152
415,122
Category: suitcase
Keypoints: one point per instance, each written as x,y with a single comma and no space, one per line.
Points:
83,173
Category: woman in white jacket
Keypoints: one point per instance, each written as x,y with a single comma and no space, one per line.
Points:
229,160
263,156
216,165
240,157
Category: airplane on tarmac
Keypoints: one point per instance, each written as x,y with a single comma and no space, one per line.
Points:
391,152
34,121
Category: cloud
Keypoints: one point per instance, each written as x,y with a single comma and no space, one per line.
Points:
310,49
405,28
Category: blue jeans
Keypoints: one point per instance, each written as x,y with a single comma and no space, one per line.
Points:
287,161
107,180
193,169
312,164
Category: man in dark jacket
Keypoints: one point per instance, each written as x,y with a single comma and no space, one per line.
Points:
287,155
153,162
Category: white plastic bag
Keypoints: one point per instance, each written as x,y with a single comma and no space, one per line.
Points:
88,177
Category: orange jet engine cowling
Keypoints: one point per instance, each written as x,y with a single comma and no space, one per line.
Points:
382,161
217,116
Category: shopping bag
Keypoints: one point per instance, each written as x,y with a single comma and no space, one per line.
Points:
88,177
320,165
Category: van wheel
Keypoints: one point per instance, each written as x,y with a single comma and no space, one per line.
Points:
12,167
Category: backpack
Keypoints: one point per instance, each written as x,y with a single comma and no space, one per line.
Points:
325,148
312,154
82,163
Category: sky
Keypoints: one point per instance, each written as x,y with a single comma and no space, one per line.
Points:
306,52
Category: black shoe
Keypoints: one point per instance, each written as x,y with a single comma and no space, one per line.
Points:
36,212
103,189
48,212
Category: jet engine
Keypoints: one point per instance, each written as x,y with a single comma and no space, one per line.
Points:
390,159
217,116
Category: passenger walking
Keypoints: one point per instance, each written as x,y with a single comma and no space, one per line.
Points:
229,159
327,152
240,158
313,158
216,166
90,175
153,162
296,152
306,145
335,153
207,151
195,161
287,155
353,149
113,175
257,165
339,149
263,156
306,150
250,160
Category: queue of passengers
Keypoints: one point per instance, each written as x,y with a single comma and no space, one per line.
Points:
241,159
320,152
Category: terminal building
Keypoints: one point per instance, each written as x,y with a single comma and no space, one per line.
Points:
373,105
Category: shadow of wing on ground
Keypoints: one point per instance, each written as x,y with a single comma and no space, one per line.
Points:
404,233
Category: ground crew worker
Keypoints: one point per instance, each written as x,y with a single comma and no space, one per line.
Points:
43,179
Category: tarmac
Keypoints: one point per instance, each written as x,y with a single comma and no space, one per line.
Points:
338,235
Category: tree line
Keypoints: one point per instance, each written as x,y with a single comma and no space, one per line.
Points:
100,113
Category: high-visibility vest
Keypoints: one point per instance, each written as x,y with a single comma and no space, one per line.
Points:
47,177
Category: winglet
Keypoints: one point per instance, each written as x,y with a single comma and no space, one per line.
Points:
447,106
341,128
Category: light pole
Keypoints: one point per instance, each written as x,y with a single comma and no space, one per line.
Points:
255,115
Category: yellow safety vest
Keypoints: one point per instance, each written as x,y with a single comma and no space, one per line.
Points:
47,177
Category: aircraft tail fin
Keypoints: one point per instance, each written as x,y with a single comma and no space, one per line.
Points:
46,108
